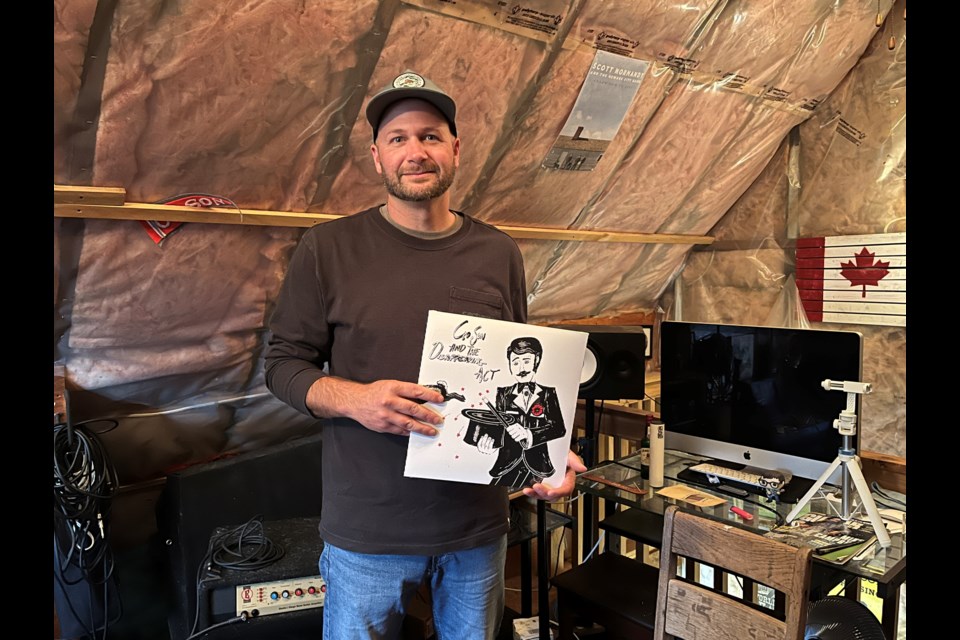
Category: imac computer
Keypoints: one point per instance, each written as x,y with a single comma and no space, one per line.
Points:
753,396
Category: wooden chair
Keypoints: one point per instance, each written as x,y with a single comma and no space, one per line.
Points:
690,611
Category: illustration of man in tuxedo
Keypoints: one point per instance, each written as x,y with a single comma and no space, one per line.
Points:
524,458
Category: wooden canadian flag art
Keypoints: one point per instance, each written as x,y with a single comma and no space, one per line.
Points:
854,279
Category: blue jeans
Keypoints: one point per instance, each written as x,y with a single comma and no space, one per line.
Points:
367,594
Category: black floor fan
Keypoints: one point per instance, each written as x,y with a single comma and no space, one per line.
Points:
839,618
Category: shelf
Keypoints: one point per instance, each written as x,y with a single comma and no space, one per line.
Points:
636,524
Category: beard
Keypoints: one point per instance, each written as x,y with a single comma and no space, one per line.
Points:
420,193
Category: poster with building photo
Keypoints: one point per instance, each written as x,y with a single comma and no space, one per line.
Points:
609,88
510,393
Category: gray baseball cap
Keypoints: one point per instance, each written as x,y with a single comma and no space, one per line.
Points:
411,84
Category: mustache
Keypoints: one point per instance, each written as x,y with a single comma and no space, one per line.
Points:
426,166
523,374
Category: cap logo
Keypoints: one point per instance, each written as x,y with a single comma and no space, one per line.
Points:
408,80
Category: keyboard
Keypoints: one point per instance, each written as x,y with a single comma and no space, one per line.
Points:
752,476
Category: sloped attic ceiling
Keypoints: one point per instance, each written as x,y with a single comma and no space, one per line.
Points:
261,103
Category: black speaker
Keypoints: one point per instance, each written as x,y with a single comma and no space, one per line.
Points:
614,362
276,483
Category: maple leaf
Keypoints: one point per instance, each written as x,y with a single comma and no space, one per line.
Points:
865,271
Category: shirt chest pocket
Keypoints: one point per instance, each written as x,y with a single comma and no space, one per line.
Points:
469,302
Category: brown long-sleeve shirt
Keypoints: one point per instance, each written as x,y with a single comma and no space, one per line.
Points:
356,295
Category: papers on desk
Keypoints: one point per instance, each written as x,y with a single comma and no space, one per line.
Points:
893,520
690,495
832,538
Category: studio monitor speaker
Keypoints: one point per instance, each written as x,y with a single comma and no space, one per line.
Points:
614,362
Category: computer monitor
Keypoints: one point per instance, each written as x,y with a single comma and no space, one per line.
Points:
754,396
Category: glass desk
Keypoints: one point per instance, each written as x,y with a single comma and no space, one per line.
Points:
887,567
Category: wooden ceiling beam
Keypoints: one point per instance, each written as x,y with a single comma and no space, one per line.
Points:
631,319
114,196
107,203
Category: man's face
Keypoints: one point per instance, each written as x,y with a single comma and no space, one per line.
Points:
415,153
523,366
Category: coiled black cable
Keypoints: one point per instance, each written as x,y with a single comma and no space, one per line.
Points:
84,483
245,548
241,548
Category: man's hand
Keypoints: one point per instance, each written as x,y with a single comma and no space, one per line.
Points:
386,406
542,491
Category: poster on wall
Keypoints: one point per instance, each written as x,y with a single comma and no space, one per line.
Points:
609,88
510,394
858,279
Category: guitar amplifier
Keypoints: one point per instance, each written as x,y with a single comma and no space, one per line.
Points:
277,483
282,600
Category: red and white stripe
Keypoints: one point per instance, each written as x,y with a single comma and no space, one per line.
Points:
858,279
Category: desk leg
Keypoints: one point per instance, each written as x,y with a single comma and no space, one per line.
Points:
588,445
613,541
890,613
526,581
543,576
588,508
851,588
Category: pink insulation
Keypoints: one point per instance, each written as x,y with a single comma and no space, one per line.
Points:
760,212
696,131
262,103
733,171
71,29
225,98
857,141
432,45
679,137
642,270
652,29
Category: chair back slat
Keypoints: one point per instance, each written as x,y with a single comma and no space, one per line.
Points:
695,612
692,612
746,553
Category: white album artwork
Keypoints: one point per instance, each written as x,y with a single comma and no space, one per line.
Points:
510,395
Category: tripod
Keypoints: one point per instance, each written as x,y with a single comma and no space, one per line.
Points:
847,458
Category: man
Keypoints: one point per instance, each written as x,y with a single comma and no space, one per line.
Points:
356,296
524,458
